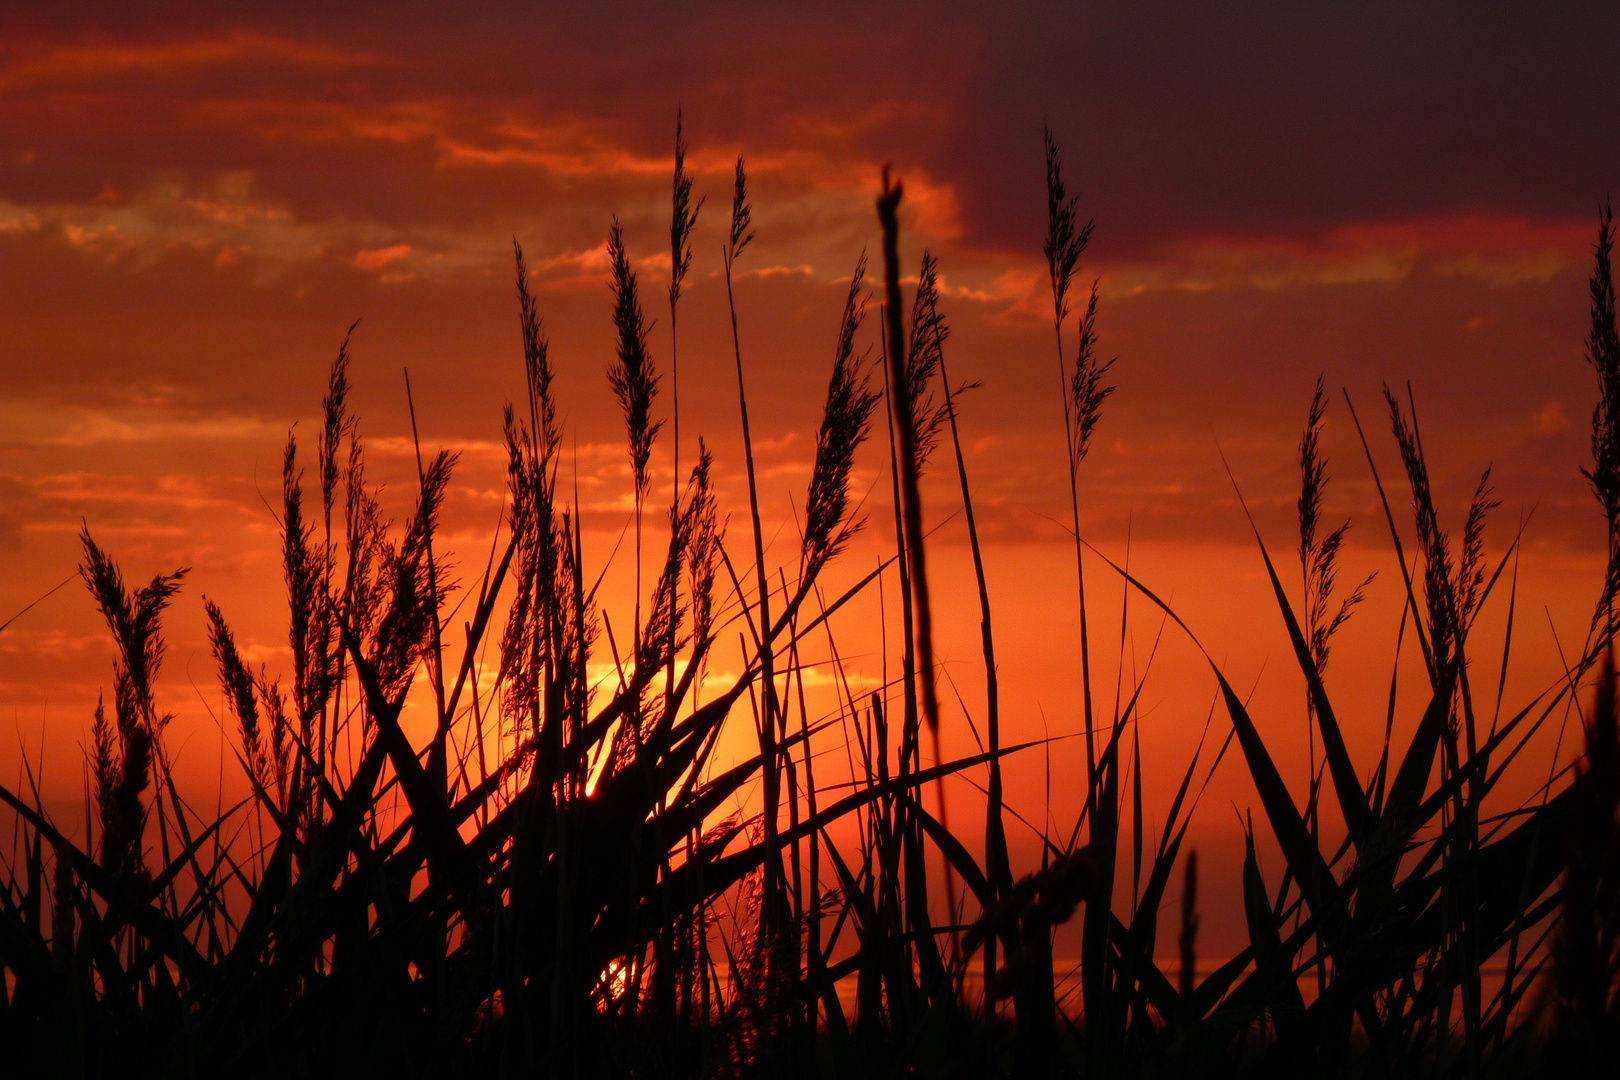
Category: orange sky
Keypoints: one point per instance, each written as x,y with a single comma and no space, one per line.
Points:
195,203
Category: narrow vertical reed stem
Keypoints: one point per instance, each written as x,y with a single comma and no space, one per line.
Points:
1080,578
901,408
767,724
998,871
911,501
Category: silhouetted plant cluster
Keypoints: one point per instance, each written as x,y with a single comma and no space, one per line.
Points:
566,879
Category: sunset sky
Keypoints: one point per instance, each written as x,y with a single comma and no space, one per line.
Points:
197,200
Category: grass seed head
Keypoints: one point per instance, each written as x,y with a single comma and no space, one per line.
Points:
845,423
742,216
237,683
1066,238
335,424
632,376
537,369
683,219
1319,558
1087,392
1603,353
924,354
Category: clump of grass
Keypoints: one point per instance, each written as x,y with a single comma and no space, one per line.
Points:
568,893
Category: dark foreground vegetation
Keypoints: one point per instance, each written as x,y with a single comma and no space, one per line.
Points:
550,885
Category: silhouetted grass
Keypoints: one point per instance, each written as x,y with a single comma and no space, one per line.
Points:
557,881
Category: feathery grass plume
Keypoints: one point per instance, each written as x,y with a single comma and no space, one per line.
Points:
542,629
661,641
694,514
537,369
281,747
310,628
632,376
335,424
742,216
924,351
708,532
747,1024
1086,390
1585,1035
545,639
578,613
104,768
366,545
1312,474
530,640
1471,565
403,633
1439,593
124,820
550,621
135,621
524,643
683,219
1318,559
1066,238
1603,353
237,684
845,423
888,205
303,568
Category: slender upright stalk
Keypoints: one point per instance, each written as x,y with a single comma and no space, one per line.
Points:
911,502
998,869
635,384
741,233
1066,241
683,220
